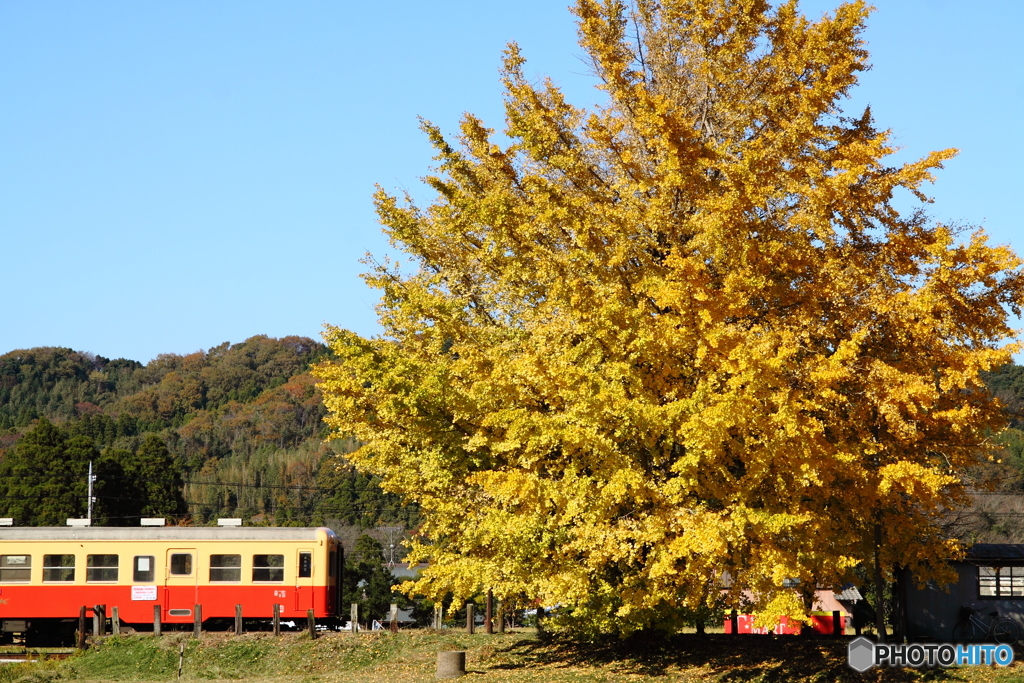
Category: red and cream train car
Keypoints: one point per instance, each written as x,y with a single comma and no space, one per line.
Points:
48,573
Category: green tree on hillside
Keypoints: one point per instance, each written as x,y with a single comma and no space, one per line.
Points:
355,497
43,478
158,476
142,483
367,581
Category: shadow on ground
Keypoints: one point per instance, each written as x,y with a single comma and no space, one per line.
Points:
716,657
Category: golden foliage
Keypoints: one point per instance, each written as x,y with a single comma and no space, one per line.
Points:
682,337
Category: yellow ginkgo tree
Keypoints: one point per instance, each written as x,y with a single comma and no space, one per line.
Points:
649,356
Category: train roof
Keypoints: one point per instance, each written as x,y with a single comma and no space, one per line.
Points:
166,533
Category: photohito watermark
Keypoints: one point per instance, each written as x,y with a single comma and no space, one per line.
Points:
862,654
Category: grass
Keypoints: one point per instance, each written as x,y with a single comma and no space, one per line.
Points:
411,656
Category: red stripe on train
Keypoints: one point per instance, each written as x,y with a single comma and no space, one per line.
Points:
50,601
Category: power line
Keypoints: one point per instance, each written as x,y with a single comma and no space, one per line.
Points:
239,484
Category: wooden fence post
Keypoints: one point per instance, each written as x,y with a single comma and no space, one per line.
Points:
734,621
837,624
238,620
311,624
277,619
97,624
470,617
157,627
354,618
437,617
197,627
501,617
115,621
81,627
392,617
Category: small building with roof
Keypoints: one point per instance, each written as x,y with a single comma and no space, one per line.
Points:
990,579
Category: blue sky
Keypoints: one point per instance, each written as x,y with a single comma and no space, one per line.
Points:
174,175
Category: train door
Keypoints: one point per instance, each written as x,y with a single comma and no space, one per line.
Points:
304,580
180,587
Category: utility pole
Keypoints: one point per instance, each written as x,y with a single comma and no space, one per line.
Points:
389,552
91,499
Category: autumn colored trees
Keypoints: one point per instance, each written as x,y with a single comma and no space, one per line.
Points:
681,342
43,480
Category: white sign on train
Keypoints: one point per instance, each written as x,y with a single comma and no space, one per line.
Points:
143,592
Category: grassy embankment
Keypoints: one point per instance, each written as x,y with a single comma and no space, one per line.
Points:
411,656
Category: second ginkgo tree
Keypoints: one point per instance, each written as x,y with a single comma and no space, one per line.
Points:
680,349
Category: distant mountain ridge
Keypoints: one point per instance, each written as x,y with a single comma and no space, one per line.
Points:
60,383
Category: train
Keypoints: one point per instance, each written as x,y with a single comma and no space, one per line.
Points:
48,573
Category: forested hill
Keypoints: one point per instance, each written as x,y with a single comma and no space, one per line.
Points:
235,431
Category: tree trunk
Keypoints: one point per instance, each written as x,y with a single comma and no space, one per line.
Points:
899,603
879,586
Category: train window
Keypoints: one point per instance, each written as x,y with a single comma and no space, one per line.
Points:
58,567
144,568
268,567
181,564
15,567
225,567
305,565
101,567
